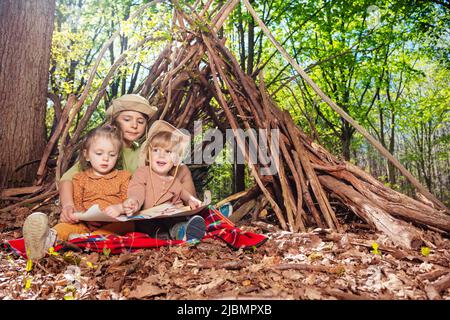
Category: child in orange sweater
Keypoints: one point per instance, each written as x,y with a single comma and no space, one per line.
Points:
99,182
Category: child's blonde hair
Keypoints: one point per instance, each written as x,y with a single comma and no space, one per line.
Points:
107,131
165,140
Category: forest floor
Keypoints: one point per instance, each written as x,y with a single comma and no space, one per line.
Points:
358,264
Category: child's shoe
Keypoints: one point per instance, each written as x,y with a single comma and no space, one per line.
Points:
37,235
193,229
226,209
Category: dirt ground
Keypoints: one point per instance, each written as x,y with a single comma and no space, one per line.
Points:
319,264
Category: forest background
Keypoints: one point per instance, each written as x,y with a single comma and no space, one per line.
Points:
386,63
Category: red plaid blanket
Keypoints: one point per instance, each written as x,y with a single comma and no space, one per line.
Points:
217,228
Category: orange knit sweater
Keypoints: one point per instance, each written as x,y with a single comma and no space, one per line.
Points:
90,189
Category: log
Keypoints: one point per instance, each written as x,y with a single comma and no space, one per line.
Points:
242,211
393,202
46,195
399,232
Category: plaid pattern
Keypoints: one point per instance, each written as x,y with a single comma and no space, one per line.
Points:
216,226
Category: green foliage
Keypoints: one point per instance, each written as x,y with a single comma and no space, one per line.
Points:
386,71
83,27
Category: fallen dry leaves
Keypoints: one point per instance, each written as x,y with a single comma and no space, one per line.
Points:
314,265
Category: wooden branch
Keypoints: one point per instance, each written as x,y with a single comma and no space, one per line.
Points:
56,105
51,143
243,210
433,275
49,193
300,213
59,161
11,192
322,200
223,14
233,197
308,267
235,99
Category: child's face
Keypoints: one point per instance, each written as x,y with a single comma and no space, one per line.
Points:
162,160
132,124
102,155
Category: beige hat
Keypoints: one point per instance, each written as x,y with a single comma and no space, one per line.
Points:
163,126
131,102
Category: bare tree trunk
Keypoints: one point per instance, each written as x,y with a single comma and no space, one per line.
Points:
26,28
391,167
251,44
347,132
241,38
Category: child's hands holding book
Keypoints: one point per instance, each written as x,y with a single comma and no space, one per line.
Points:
194,203
114,210
130,206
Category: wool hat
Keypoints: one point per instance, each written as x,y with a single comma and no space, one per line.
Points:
131,102
182,140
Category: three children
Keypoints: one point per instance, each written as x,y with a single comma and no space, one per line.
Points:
101,183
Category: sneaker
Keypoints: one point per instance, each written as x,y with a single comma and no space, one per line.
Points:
37,235
226,209
193,229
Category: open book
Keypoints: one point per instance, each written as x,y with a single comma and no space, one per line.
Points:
164,210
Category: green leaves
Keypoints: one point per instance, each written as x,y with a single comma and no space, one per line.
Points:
82,28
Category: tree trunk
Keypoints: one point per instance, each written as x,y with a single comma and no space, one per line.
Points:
346,140
251,45
26,28
391,167
241,33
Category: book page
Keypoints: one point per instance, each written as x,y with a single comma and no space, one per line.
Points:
94,214
162,211
165,210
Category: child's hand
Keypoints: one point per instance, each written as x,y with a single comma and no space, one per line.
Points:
130,206
67,215
114,210
194,203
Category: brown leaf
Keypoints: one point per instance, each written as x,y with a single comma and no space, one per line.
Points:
146,290
115,285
